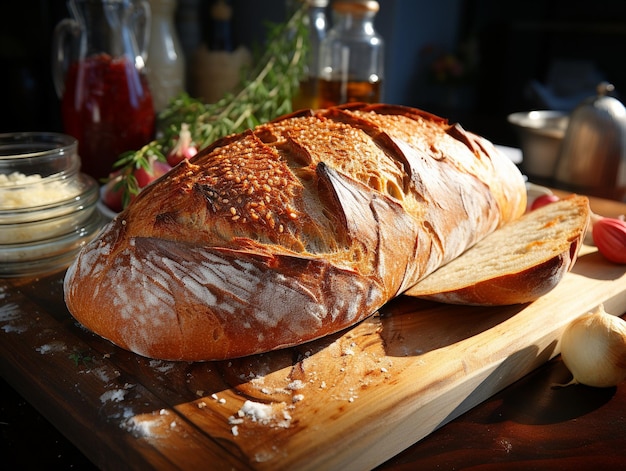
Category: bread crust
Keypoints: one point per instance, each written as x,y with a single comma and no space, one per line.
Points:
290,232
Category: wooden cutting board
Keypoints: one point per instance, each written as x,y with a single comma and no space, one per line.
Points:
349,401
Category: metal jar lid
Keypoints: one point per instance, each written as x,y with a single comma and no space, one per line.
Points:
592,158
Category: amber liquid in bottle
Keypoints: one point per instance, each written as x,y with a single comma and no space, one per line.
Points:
306,97
336,92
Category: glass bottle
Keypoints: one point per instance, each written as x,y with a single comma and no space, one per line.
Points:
317,24
220,34
165,66
351,55
218,62
98,70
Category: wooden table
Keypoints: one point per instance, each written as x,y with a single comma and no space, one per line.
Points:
531,424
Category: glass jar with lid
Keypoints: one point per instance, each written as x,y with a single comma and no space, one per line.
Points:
351,55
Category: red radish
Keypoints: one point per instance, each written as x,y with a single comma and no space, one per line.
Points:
113,193
543,200
183,149
157,169
112,197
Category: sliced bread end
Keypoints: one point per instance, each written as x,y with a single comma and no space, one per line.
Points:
517,263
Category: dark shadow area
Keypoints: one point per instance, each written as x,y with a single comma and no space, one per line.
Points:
412,326
544,398
598,267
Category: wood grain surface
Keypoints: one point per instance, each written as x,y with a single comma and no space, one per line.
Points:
349,401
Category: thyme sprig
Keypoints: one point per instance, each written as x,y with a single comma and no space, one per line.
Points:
264,93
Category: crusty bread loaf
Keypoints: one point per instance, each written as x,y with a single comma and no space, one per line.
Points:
516,264
290,232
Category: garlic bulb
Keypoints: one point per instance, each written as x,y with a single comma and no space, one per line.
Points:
593,347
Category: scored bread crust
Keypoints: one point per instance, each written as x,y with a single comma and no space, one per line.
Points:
290,232
517,264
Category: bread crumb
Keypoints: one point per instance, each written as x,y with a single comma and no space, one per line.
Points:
54,346
264,414
113,395
295,385
256,411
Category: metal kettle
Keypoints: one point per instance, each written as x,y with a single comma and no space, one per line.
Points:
592,158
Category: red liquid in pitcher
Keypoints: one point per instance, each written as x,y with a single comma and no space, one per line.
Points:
108,107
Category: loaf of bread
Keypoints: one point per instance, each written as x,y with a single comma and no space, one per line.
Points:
516,264
290,232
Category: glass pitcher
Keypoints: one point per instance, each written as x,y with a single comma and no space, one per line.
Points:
98,70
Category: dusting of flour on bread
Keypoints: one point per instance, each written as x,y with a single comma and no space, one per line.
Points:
289,232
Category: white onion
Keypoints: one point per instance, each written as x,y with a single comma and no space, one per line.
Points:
593,347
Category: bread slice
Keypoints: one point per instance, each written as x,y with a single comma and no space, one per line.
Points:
516,264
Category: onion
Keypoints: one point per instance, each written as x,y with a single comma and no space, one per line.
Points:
593,220
593,347
609,235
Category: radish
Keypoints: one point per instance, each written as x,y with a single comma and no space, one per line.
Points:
155,169
184,148
543,200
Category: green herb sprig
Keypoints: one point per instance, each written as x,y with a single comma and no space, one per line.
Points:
266,94
79,357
